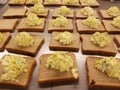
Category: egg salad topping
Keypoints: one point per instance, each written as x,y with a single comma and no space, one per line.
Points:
38,8
13,66
62,62
65,38
113,11
89,2
33,1
33,20
100,39
92,22
71,1
60,21
52,1
110,66
19,1
74,72
64,10
24,39
1,36
116,22
87,11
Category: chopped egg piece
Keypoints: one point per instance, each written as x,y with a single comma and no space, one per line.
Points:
64,10
89,2
65,38
87,11
62,62
71,1
74,73
110,66
92,22
34,1
33,20
19,1
38,8
1,37
13,66
113,11
100,39
24,39
60,21
52,1
116,22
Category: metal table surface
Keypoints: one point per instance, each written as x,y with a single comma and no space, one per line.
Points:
82,84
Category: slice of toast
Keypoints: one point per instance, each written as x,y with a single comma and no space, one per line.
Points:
89,48
6,38
52,4
56,45
32,50
98,80
8,25
110,28
56,13
79,15
12,3
117,40
83,29
105,15
31,4
92,5
45,15
52,28
15,12
48,75
23,79
74,5
24,27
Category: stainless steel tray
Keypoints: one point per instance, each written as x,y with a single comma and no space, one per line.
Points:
82,84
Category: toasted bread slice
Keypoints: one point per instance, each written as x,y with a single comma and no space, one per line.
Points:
83,29
110,28
52,4
23,79
31,4
40,15
56,45
74,5
6,38
98,80
32,50
79,15
24,27
89,48
8,25
56,13
105,15
48,75
12,3
117,40
92,5
52,28
15,12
